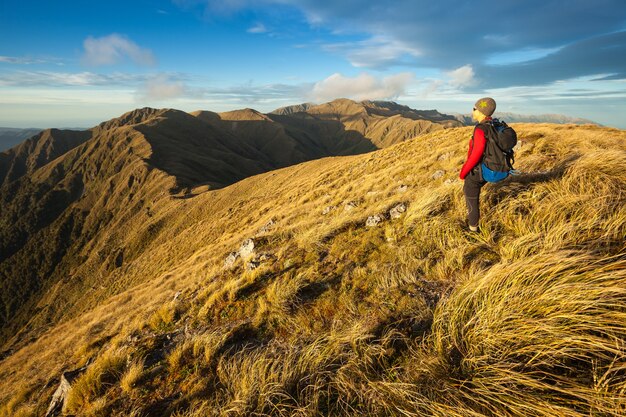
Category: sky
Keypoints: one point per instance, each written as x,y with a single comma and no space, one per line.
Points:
76,63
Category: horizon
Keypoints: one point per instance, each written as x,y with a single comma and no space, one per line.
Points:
223,56
95,123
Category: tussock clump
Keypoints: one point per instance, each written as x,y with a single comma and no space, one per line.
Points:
95,382
542,336
132,377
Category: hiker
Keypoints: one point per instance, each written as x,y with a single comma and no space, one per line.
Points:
471,171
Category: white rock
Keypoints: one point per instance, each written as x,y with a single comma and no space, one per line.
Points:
403,188
230,259
267,226
445,156
438,174
374,220
247,248
397,211
350,205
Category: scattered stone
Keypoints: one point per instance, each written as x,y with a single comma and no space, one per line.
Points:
371,193
403,188
268,226
445,156
350,205
374,220
328,209
247,248
397,211
60,395
257,260
449,181
230,259
438,174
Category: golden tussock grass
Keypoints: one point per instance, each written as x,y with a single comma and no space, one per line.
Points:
86,392
415,317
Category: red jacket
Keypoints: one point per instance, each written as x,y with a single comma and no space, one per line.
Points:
475,152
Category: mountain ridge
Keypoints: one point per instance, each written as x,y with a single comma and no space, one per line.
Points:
99,179
327,280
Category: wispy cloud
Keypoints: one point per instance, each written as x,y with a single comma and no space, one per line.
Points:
162,87
113,49
23,60
18,60
362,87
59,79
258,28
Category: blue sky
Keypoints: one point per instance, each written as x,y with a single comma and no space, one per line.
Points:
76,63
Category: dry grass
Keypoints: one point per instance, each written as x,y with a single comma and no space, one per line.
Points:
132,377
412,318
87,391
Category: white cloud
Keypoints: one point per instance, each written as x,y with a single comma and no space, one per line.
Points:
161,87
113,49
462,76
258,28
362,87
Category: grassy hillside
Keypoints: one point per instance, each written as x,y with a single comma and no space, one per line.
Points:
329,316
75,205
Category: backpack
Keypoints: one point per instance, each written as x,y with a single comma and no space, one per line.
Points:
498,157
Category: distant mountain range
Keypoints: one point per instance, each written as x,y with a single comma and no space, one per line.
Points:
9,137
523,118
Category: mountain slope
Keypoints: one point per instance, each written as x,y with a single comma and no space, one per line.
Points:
330,317
37,151
71,198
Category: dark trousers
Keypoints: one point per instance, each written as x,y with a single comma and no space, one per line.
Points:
471,188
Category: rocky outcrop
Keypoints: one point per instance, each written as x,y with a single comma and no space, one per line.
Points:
247,248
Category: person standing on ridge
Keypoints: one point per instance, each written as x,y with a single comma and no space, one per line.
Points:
471,170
